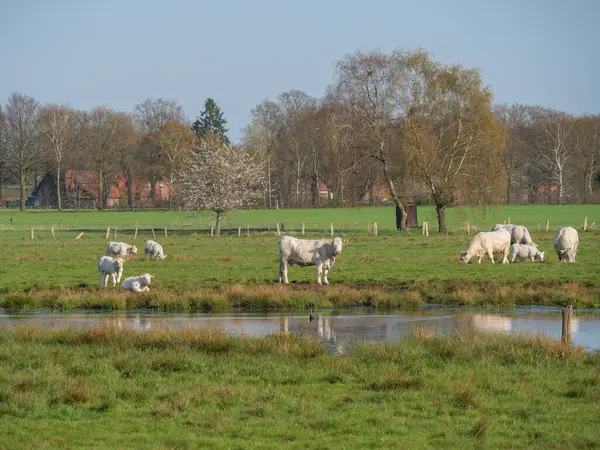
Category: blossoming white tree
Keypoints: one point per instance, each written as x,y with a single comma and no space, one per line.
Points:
219,177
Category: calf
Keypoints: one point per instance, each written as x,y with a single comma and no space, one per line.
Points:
120,249
153,249
108,266
520,251
138,284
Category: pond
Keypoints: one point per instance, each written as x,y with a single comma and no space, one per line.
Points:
338,328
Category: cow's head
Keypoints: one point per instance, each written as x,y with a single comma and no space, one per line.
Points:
147,278
464,256
133,250
540,256
338,244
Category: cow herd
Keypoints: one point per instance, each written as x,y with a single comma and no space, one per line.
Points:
112,265
512,241
516,241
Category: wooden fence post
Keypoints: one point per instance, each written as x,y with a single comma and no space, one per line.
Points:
547,225
32,236
427,228
302,228
166,234
248,230
278,229
107,233
509,220
468,228
585,224
567,316
212,231
53,235
240,231
115,233
331,228
79,236
135,233
153,234
375,231
342,227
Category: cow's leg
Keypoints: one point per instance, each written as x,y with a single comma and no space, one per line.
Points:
106,280
491,256
479,258
283,270
505,256
101,279
319,272
325,272
114,279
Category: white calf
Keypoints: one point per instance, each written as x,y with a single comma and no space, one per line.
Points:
520,251
153,249
138,284
120,249
108,266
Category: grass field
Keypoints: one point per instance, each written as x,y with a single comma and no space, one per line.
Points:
109,388
203,273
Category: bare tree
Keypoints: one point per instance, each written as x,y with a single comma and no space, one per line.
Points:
450,134
587,135
175,140
151,114
555,144
107,134
23,154
57,128
220,178
370,83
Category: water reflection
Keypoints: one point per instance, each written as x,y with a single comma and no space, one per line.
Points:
338,329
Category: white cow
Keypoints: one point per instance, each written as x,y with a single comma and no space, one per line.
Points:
120,249
520,251
303,252
566,241
138,284
519,234
108,266
153,249
487,243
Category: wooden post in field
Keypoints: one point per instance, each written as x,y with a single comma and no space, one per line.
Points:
240,231
468,228
32,237
278,229
115,233
212,231
79,236
135,232
53,235
509,220
342,227
547,225
153,234
331,228
375,231
585,224
248,230
504,222
166,234
302,228
107,233
567,317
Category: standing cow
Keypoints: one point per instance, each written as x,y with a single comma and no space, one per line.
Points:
566,241
303,252
488,243
519,234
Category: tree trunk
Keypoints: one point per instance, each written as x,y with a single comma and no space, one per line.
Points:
269,181
100,190
218,224
58,191
508,186
130,189
441,213
397,201
23,180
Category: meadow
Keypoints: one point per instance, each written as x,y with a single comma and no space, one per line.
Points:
110,388
204,273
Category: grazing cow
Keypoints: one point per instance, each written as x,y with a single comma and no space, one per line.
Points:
521,251
120,249
303,252
566,241
138,284
108,266
519,234
153,249
487,243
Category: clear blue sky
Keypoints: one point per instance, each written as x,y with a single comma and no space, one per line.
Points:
119,52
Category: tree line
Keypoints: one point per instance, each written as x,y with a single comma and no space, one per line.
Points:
397,123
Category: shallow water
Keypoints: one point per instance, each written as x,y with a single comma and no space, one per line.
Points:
338,328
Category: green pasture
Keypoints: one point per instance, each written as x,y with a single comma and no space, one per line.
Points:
108,388
354,220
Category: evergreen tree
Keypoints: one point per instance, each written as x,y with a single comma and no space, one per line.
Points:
211,121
